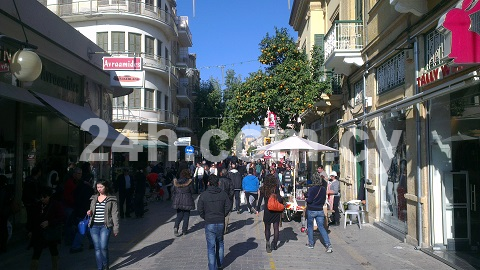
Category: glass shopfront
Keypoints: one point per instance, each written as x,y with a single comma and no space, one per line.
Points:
454,133
393,170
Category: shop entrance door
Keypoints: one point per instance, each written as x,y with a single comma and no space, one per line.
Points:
456,210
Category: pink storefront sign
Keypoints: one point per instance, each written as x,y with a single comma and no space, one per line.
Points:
122,63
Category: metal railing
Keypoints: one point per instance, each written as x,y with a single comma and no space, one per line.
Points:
97,7
182,24
344,35
142,114
184,91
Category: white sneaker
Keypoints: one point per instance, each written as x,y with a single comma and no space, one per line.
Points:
329,249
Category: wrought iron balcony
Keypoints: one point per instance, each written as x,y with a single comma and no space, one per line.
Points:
343,45
96,8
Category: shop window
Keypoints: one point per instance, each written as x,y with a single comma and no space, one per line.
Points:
393,170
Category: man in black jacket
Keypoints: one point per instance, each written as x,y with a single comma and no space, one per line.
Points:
236,178
213,206
226,185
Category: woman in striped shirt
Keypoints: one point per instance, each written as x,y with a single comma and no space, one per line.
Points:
103,219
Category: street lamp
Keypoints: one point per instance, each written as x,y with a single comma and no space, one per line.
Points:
25,64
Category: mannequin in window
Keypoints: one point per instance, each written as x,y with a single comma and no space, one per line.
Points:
401,190
392,184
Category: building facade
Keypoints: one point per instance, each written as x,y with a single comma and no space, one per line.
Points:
152,31
43,116
408,119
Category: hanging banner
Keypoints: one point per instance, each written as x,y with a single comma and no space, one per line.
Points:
127,79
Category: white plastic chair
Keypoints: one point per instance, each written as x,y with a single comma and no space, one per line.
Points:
358,213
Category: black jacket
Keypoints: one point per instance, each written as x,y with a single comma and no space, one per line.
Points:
236,178
182,194
214,205
226,185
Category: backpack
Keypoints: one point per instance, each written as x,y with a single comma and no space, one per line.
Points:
273,204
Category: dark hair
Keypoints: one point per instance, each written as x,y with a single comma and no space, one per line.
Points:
250,170
213,180
104,183
320,166
185,173
269,185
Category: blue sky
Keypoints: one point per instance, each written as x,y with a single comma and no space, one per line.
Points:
227,32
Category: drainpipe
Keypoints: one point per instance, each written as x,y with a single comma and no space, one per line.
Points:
365,141
419,152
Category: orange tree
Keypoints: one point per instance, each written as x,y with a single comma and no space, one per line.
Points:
288,85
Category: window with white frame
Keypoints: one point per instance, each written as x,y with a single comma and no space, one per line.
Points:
118,42
149,47
102,40
134,99
149,98
134,44
358,90
434,49
391,74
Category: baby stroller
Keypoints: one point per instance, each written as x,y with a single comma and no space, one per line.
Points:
155,185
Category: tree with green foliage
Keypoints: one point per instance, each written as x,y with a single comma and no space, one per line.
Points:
289,84
208,108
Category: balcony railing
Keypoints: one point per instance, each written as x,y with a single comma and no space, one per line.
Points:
344,35
97,7
336,80
141,114
182,25
184,91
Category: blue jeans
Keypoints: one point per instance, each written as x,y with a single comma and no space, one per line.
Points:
214,236
319,216
100,235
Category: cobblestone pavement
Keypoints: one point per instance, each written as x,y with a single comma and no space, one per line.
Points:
148,243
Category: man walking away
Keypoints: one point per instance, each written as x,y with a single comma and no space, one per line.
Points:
226,185
236,178
213,207
251,184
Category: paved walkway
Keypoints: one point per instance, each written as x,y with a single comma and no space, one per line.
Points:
148,243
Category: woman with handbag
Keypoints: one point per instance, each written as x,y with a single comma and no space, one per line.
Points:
46,227
183,201
103,220
315,199
270,187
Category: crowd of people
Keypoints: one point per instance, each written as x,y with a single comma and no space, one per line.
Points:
224,188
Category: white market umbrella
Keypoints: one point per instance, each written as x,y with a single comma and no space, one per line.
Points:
459,137
296,143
